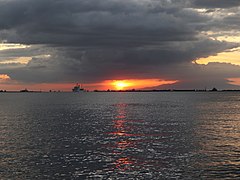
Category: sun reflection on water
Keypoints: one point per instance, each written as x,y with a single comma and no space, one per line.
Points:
123,131
124,163
128,148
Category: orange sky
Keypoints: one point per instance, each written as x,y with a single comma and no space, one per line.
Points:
128,84
234,81
7,84
230,56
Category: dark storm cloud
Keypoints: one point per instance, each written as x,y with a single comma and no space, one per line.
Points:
97,65
217,3
96,23
92,40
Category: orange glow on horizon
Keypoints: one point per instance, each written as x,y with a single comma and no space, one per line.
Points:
135,83
11,85
234,81
120,85
128,84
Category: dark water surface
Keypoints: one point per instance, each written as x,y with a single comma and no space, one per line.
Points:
172,135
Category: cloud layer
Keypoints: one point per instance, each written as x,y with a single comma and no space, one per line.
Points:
92,40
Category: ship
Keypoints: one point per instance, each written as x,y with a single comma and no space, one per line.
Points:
24,90
78,88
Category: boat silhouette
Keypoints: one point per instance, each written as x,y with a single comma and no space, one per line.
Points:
78,88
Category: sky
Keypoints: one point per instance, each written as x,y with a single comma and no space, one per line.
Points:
113,44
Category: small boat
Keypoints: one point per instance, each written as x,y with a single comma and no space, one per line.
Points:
78,88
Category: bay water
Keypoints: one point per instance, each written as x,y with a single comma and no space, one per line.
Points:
158,135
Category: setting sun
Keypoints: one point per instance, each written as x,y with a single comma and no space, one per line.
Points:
128,84
120,85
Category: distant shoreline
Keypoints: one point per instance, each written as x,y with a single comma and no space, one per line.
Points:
123,91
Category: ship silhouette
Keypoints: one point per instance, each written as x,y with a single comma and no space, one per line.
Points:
78,88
